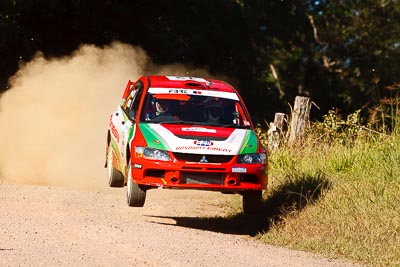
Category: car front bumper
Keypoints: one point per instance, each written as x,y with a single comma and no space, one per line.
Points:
224,177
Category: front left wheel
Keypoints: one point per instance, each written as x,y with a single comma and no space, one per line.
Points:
135,193
115,177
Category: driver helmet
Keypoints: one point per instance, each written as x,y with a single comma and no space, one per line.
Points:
162,106
213,112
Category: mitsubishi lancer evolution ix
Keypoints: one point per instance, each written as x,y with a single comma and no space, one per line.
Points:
185,133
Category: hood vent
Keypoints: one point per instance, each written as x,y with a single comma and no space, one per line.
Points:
194,84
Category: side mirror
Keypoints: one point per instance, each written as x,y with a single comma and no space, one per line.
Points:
132,115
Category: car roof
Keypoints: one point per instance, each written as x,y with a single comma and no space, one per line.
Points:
189,82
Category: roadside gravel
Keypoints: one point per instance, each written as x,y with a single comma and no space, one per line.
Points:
54,226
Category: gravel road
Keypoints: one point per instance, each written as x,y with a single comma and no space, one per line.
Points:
55,226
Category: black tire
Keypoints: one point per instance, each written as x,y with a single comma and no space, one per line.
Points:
115,177
252,201
135,193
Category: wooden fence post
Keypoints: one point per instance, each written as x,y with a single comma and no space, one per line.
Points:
275,131
300,117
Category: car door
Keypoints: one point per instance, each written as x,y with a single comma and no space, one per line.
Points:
127,120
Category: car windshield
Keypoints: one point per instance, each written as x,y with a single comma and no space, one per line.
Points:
185,106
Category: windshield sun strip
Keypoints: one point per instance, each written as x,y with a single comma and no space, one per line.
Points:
211,93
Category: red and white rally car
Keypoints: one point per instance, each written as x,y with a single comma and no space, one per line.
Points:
185,133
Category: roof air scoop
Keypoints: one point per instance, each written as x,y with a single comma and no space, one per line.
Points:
194,84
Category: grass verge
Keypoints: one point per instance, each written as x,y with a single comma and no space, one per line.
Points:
337,197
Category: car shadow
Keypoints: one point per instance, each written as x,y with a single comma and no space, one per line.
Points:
290,197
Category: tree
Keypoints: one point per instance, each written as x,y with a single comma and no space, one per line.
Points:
336,52
357,46
339,53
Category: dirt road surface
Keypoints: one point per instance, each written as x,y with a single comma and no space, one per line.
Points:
54,226
62,143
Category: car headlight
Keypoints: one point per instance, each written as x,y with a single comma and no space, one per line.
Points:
252,158
151,153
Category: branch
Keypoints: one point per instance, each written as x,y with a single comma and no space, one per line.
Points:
315,31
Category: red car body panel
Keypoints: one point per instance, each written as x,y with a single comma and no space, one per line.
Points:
195,155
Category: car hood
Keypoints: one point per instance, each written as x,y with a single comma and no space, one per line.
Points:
199,139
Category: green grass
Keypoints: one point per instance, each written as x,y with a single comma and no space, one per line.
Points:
337,195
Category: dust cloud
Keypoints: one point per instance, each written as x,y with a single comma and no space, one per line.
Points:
54,116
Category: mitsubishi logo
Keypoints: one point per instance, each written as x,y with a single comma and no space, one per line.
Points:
203,159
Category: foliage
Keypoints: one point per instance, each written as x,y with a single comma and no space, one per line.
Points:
335,129
359,43
345,202
340,53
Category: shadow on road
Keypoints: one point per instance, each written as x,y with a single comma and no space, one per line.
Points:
288,198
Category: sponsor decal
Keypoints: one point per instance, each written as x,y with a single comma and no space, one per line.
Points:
203,142
239,169
114,131
137,166
183,91
209,148
198,129
178,91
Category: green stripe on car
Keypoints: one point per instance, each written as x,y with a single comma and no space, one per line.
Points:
153,139
250,143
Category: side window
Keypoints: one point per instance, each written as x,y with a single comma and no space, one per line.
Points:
136,101
132,101
129,100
